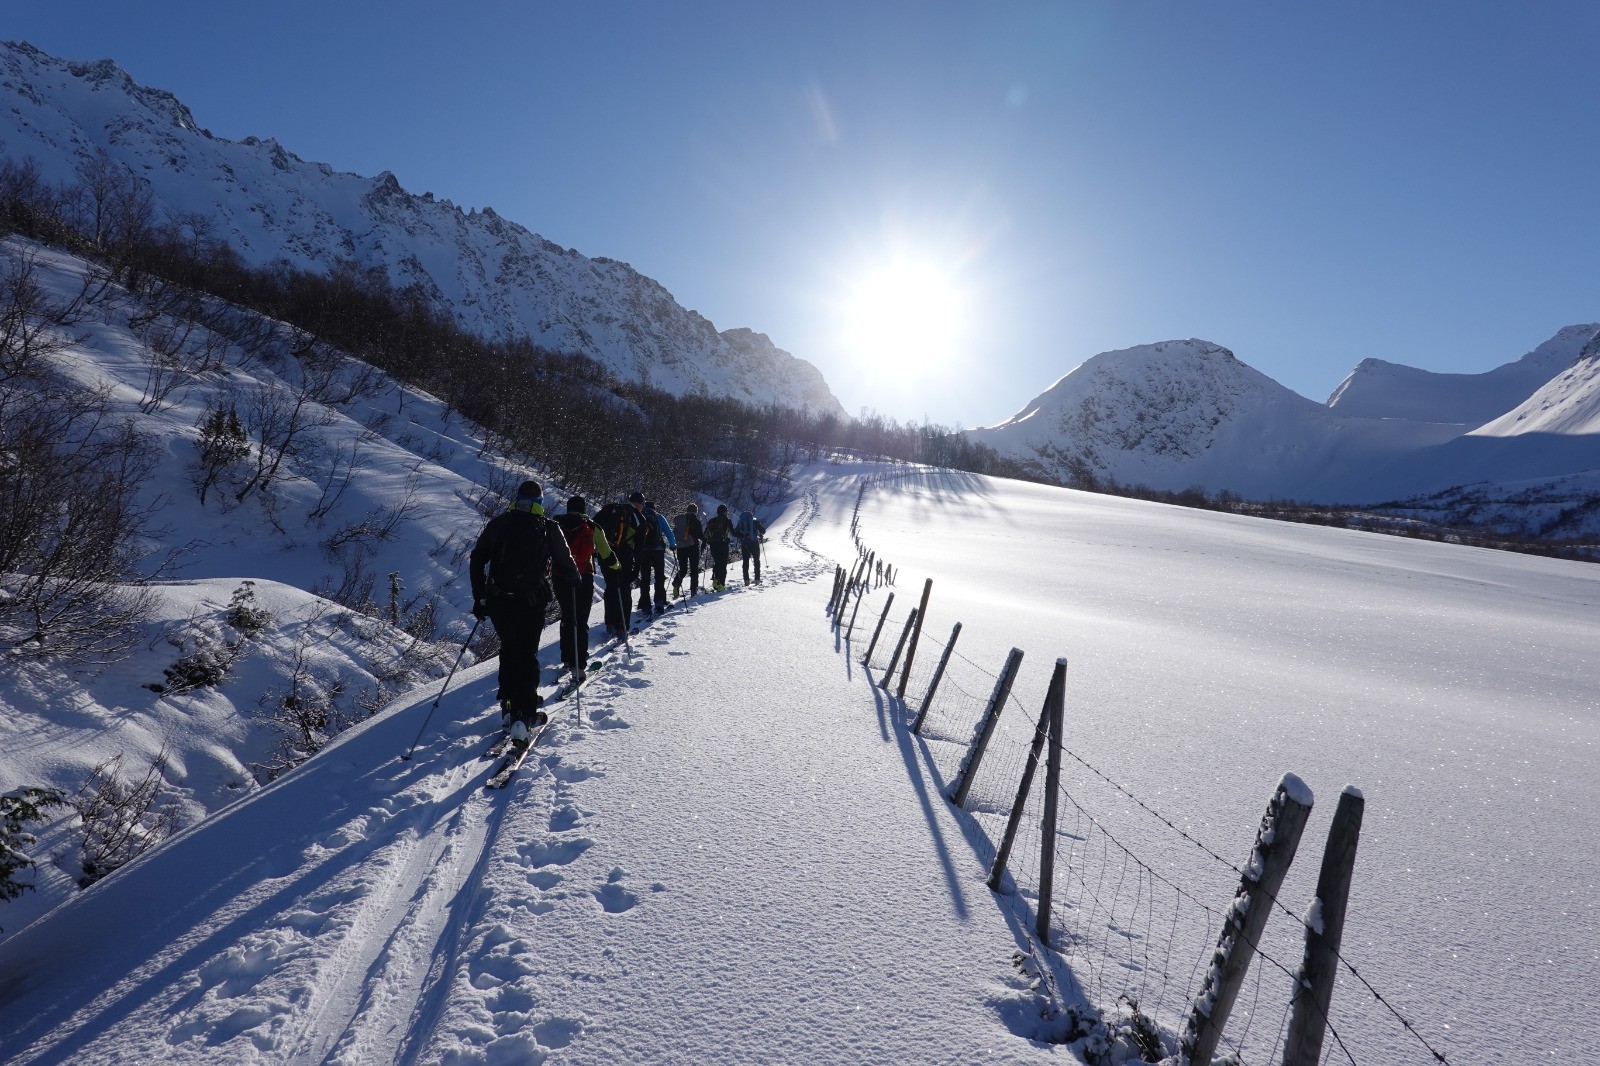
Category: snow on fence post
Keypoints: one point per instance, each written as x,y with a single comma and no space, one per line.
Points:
911,621
916,635
1313,987
1052,792
933,686
1276,842
991,718
1040,731
861,593
888,603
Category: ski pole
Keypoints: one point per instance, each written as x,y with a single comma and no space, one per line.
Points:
581,670
435,706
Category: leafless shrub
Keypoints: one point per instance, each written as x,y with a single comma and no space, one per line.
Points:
122,819
30,330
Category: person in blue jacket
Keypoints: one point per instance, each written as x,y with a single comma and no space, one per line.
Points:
657,537
751,533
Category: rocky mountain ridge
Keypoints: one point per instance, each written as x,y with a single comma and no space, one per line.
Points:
495,276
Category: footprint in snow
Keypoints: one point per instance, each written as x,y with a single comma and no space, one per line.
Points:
613,897
565,818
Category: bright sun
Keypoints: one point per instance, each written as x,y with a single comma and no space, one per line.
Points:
906,312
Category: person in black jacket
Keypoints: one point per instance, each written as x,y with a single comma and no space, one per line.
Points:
718,532
511,566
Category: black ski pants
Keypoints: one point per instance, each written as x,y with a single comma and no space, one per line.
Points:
576,602
750,551
652,575
719,562
619,594
518,624
688,563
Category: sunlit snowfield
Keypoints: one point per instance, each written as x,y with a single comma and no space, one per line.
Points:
1210,653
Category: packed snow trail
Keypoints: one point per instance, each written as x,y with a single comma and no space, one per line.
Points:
721,861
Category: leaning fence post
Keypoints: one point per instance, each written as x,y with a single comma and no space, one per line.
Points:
867,658
1057,687
1052,792
911,620
1276,841
1313,987
933,686
991,718
860,594
916,635
838,575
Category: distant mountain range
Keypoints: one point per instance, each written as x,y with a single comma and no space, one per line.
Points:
1521,440
496,277
1187,413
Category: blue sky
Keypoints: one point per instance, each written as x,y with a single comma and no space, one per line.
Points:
1308,185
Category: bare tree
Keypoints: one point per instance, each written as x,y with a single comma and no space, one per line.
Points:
122,819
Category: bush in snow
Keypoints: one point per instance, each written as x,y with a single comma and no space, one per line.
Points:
221,445
121,819
17,808
244,613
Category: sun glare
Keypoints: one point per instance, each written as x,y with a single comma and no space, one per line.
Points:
907,311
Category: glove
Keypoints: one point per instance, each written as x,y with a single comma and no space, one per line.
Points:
480,609
613,565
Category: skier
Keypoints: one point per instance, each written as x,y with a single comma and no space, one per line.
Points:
751,533
511,565
621,525
586,541
689,532
718,530
657,538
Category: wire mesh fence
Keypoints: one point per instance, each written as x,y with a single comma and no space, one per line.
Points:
1137,905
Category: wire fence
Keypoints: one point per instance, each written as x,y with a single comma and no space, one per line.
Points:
1137,905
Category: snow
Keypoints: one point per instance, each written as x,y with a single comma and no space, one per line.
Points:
1297,790
1187,413
738,852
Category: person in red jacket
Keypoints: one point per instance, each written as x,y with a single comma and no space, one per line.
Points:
587,541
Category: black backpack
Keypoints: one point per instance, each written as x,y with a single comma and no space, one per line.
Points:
613,522
523,565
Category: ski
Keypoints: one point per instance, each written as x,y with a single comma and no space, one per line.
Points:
514,757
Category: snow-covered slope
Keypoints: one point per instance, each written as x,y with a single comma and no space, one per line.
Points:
1567,404
1184,413
714,863
1181,414
497,278
1379,389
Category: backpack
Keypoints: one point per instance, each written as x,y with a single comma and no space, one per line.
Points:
613,522
652,531
580,538
524,560
746,529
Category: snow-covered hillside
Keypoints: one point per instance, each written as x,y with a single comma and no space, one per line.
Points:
716,860
1188,413
496,277
1379,389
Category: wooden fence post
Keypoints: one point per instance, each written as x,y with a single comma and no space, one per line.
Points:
1313,987
860,594
838,576
1040,731
888,603
916,635
933,686
991,718
911,621
1052,792
1269,861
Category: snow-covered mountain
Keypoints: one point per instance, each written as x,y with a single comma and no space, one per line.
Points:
1188,413
498,278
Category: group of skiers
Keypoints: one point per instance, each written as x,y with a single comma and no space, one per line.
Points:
524,561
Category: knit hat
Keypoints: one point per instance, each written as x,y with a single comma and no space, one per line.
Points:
722,508
577,505
635,497
691,508
530,490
